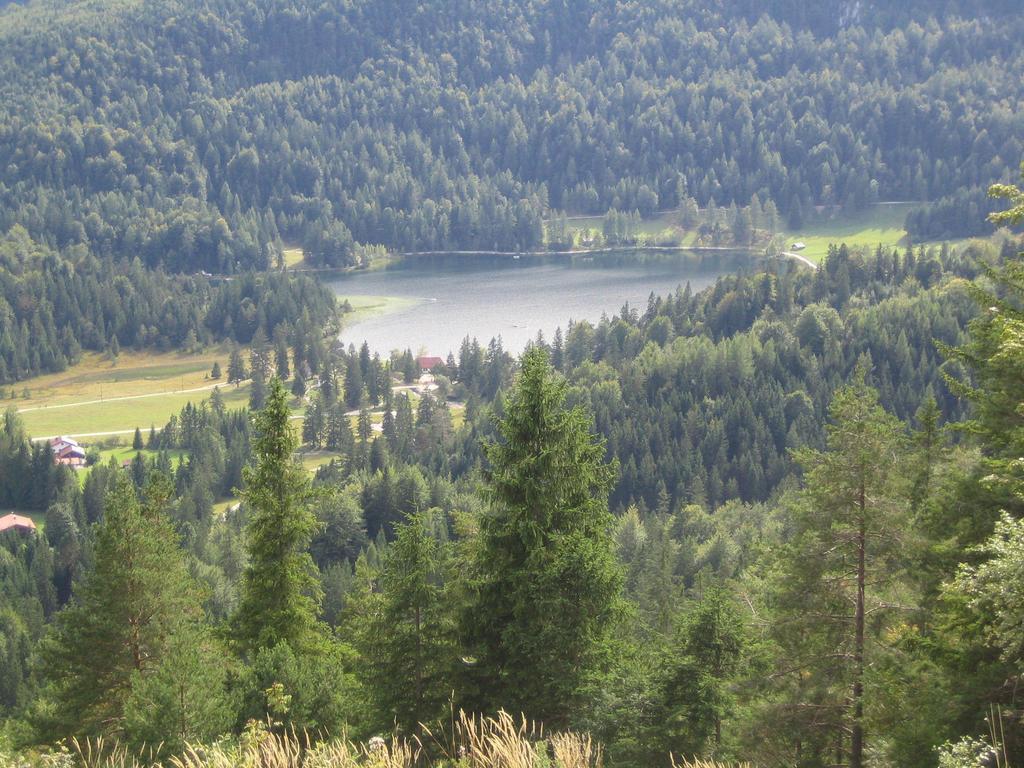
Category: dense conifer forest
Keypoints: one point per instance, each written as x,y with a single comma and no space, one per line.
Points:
203,136
699,447
773,522
53,306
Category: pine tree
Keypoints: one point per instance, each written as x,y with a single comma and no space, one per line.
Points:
259,353
928,442
405,429
184,700
407,645
215,372
353,383
280,592
712,637
137,443
281,361
258,390
133,618
313,424
992,355
236,367
365,425
845,560
339,430
547,584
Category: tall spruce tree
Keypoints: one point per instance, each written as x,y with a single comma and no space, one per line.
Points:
123,640
993,385
712,636
407,643
280,594
546,585
237,371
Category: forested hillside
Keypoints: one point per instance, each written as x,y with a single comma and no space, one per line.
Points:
772,522
686,533
202,136
53,306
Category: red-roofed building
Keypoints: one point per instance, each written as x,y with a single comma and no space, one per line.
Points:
13,522
67,451
428,363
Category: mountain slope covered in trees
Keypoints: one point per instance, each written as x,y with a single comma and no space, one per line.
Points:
53,306
775,520
427,560
202,136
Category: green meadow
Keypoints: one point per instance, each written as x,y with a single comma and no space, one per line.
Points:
881,224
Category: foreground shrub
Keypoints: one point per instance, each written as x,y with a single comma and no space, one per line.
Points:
469,742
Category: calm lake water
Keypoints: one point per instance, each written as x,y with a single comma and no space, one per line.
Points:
452,297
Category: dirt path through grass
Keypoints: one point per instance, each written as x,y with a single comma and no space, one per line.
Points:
115,432
206,388
801,259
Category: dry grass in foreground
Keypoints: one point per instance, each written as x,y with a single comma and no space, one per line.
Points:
474,742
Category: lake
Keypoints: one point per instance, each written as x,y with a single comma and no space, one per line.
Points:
435,302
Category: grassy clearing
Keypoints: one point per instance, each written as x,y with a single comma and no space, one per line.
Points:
123,453
224,506
294,257
364,307
458,411
138,390
134,373
121,416
313,460
880,225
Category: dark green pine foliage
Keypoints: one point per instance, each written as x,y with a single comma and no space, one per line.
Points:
258,390
546,589
237,371
281,361
711,641
993,384
965,523
131,655
280,594
673,694
407,644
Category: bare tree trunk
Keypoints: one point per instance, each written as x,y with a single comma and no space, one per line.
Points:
419,665
857,733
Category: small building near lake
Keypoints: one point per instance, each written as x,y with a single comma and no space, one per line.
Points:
427,364
13,522
67,452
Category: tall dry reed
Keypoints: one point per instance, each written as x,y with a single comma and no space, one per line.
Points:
473,742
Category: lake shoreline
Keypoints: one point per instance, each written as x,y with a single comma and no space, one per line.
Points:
429,304
397,261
